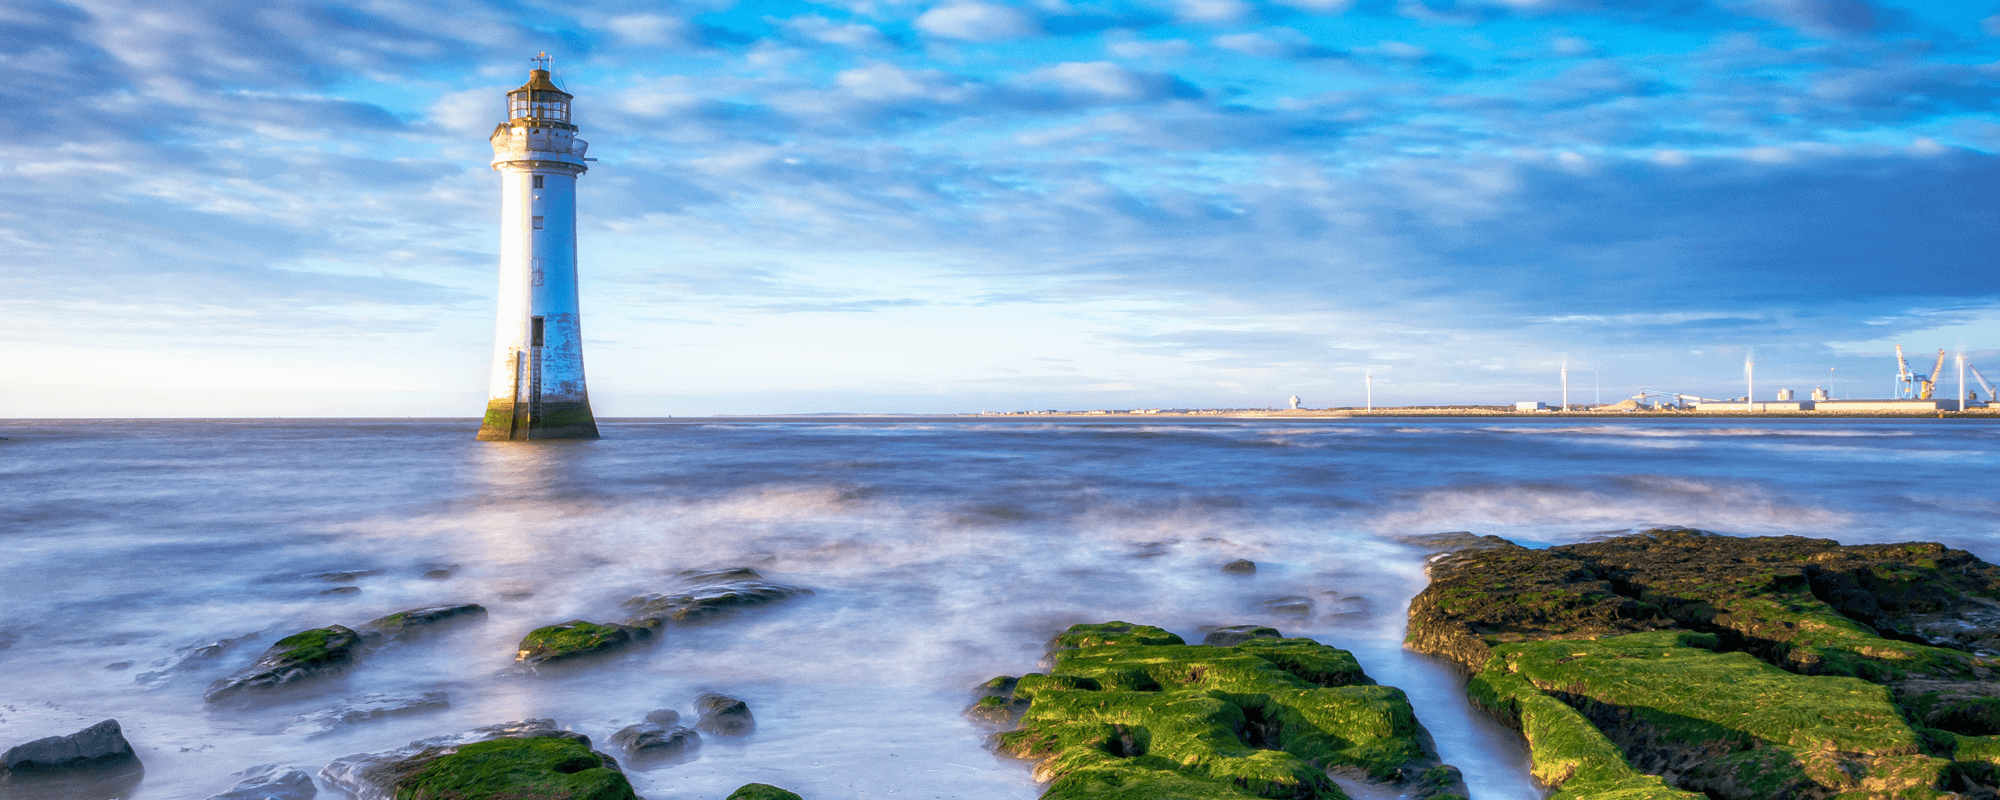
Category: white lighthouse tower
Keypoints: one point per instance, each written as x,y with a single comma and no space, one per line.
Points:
538,390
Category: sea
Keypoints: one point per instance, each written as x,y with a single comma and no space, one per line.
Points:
144,559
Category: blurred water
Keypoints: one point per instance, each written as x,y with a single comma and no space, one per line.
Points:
943,552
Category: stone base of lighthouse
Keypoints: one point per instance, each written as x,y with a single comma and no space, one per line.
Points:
511,421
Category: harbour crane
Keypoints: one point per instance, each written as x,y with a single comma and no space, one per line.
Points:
1990,396
1910,386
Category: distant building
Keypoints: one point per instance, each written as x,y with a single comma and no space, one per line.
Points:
1531,405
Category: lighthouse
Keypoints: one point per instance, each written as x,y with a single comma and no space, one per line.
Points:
538,390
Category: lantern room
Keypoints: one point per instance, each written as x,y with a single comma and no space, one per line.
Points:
539,103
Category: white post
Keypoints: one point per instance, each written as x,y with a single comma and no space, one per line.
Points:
1565,379
1368,377
1749,383
1961,380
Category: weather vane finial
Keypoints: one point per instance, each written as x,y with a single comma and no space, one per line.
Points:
543,59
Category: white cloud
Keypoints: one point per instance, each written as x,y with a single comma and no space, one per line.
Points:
1102,80
976,22
1273,43
1213,11
1571,46
1319,6
888,82
821,29
1149,48
654,29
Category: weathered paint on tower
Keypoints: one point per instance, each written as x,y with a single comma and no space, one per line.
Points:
538,390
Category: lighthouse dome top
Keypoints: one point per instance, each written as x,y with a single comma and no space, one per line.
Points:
539,100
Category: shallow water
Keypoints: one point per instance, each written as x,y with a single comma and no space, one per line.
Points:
941,553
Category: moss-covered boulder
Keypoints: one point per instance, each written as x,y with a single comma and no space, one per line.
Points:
574,639
761,791
1132,711
544,768
511,761
296,659
1681,664
1812,604
708,595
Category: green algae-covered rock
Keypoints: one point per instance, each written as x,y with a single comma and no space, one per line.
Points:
543,768
761,791
1681,664
575,638
295,659
1131,711
1810,605
1729,725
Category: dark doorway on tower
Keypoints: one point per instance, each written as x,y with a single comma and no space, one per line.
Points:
535,333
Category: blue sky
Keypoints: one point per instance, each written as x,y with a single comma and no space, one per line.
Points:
241,208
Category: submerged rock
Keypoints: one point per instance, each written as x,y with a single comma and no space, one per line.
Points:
189,659
295,659
1133,711
1292,606
653,741
997,704
709,594
367,708
575,638
96,761
761,791
1232,635
271,782
664,716
1681,664
417,621
1241,566
723,715
530,758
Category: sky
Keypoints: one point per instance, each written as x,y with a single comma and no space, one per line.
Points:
284,208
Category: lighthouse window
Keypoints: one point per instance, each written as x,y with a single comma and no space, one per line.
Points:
538,181
538,223
536,333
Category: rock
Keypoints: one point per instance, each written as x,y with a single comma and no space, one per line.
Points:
367,708
437,574
997,704
651,742
188,659
299,658
118,666
271,782
99,746
1241,566
417,621
95,763
761,791
664,716
343,590
574,639
344,576
709,595
1232,635
1679,663
1132,711
723,716
1293,606
529,758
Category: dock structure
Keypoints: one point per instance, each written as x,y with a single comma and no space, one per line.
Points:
538,390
